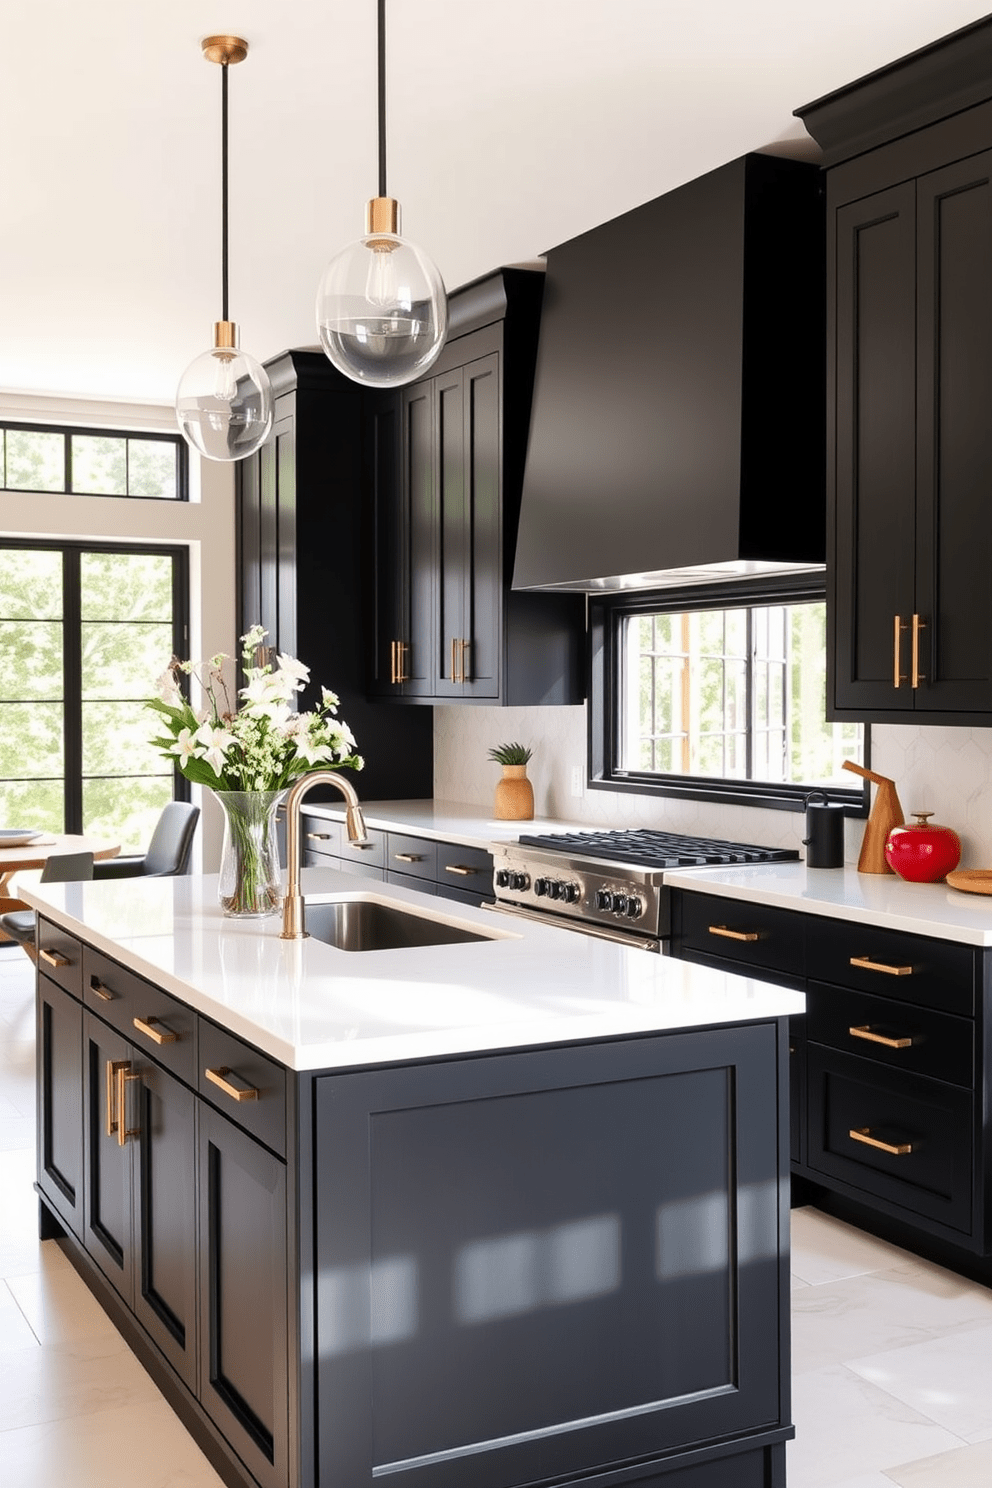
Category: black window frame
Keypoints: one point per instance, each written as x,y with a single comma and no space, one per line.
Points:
72,550
606,616
151,436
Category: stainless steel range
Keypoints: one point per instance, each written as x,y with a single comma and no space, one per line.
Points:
609,884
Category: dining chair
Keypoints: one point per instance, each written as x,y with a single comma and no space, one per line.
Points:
19,924
168,852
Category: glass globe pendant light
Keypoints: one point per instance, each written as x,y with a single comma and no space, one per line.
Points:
224,400
382,312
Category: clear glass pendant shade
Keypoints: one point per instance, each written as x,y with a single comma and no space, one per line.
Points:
382,312
224,404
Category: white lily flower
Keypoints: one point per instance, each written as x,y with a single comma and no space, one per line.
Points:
292,669
185,746
314,753
329,699
212,745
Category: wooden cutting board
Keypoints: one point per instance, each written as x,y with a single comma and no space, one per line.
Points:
971,880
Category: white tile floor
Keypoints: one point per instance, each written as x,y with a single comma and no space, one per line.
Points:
892,1357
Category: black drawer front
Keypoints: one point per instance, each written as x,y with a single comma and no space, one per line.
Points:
320,835
461,896
415,856
157,1024
371,853
899,1034
407,881
60,956
465,868
757,973
931,1179
744,933
889,963
229,1071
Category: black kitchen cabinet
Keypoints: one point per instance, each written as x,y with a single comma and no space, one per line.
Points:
447,454
910,345
60,1102
447,869
304,565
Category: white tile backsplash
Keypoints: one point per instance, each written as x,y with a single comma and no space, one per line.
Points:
944,770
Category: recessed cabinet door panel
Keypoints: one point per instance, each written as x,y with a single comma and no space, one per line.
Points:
164,1217
875,304
453,620
418,483
60,1102
284,430
954,542
243,1295
484,564
391,621
107,1234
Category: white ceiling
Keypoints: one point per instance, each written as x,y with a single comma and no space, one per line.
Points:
513,125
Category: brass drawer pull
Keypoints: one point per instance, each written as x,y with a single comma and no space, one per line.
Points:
393,668
916,675
460,869
114,1066
320,836
217,1077
867,964
867,1032
409,857
99,990
897,630
54,958
124,1079
402,651
863,1134
156,1030
362,846
733,934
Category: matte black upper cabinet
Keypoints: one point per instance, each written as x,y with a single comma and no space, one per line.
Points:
910,304
448,454
302,562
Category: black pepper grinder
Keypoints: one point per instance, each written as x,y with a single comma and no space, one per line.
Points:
824,840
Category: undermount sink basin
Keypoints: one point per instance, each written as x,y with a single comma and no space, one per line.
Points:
371,925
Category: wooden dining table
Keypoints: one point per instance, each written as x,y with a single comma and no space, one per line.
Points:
36,854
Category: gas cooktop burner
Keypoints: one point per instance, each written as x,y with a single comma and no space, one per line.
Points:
659,849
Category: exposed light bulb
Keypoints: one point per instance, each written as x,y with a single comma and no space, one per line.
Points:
224,400
225,387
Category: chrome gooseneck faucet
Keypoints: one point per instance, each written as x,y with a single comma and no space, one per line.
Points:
293,923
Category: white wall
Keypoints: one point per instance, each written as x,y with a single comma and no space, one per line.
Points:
944,770
204,524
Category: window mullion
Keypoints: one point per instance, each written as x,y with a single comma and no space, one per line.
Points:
72,721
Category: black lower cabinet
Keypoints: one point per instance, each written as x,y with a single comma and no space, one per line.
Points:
60,1103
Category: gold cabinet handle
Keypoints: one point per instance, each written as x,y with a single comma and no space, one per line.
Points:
99,990
156,1030
732,934
54,958
124,1079
454,661
362,846
865,1031
916,676
240,1093
462,648
863,1134
114,1067
897,630
867,964
320,836
402,653
409,857
460,869
393,669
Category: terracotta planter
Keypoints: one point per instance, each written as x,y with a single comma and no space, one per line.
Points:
514,795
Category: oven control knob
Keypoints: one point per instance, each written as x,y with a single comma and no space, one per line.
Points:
519,881
542,886
555,888
571,893
634,908
504,878
604,899
620,904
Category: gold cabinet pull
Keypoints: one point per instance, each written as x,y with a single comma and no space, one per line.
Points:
240,1093
99,990
867,964
863,1134
865,1031
320,836
732,934
156,1030
409,857
124,1079
402,653
393,668
114,1067
460,869
897,630
916,675
54,958
462,648
454,661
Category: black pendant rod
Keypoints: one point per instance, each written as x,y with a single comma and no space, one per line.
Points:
223,191
381,27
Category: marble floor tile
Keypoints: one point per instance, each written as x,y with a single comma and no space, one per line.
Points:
847,1427
15,1330
59,1382
57,1304
966,1467
826,1249
143,1444
949,1379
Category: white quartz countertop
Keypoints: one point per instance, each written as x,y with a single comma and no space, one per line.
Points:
447,821
311,1006
845,894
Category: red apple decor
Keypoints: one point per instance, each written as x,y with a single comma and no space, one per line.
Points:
922,851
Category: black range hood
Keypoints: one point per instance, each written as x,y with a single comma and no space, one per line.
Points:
677,431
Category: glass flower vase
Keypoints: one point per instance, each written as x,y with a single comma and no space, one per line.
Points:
250,877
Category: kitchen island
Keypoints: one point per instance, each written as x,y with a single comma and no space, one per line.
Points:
507,1210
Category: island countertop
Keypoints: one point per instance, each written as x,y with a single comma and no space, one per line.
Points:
312,1006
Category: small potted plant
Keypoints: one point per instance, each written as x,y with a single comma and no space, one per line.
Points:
514,792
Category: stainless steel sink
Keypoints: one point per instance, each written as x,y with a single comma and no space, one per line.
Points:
370,925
